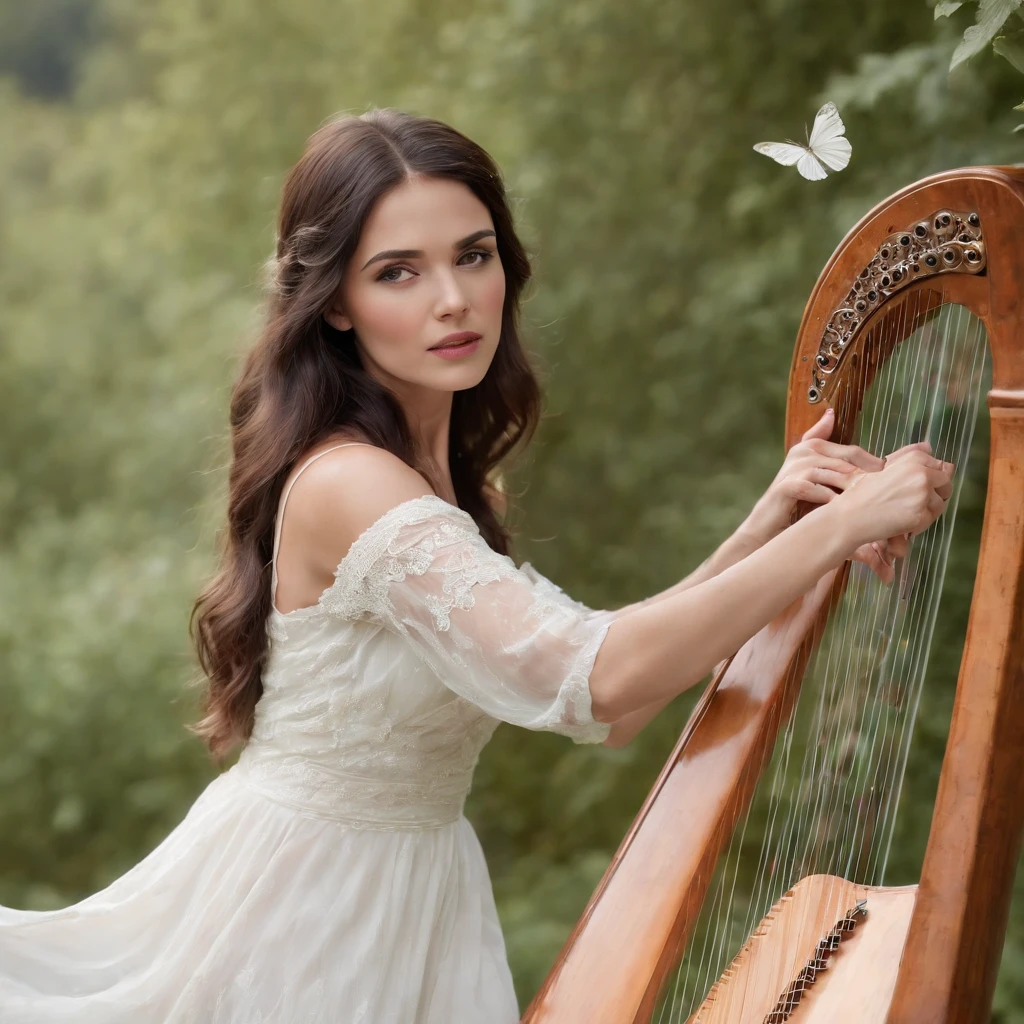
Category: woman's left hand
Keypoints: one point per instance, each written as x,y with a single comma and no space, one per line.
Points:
816,470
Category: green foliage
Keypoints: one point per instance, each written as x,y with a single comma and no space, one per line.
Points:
1012,48
672,266
991,20
992,16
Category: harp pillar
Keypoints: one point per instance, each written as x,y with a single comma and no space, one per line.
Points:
956,934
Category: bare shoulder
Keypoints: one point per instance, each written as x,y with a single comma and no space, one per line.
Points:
339,495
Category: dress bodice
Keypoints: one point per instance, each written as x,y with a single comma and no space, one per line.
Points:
378,699
353,725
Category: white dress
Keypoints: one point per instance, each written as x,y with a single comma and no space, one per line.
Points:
330,877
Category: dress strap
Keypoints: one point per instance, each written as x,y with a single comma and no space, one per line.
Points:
284,500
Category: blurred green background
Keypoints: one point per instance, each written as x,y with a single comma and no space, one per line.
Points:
142,152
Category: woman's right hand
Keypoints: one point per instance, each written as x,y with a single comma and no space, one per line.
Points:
904,497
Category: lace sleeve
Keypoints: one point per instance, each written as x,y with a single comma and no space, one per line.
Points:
557,594
495,634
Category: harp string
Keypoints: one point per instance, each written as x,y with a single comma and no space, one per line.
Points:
889,725
861,639
859,727
883,741
848,736
834,736
901,675
806,816
812,820
967,385
867,728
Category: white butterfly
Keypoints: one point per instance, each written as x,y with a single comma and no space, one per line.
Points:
826,147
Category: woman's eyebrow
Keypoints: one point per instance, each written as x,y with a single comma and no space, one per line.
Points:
409,254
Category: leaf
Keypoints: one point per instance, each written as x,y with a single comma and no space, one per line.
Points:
944,8
1019,127
992,14
1012,48
1020,106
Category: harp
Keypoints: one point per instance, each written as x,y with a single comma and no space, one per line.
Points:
918,315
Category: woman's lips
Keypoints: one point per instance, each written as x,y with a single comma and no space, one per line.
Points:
455,338
458,350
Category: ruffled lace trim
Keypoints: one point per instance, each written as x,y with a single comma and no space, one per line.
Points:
340,597
575,693
370,566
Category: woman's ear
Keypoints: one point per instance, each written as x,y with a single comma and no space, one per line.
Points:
337,319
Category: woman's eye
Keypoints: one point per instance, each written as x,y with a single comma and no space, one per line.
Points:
484,254
383,275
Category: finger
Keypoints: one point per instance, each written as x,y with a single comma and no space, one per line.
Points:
935,508
940,481
885,572
917,446
807,490
882,549
806,464
869,556
898,547
850,453
929,461
838,478
823,428
836,465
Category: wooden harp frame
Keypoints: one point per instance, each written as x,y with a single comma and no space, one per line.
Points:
641,915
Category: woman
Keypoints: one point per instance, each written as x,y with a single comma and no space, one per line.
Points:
364,646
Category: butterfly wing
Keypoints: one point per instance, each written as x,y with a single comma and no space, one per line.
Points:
835,153
827,142
828,125
826,147
811,167
785,153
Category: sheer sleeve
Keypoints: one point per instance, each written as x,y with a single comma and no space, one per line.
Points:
497,635
557,594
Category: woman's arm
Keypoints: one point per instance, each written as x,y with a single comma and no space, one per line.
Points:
740,545
729,552
655,652
815,469
733,550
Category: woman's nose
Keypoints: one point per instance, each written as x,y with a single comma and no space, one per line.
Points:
452,297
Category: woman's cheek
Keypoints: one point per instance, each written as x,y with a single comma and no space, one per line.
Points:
493,297
393,322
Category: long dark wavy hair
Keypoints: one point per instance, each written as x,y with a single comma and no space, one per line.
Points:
302,383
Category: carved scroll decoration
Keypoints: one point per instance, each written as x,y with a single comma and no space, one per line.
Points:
947,242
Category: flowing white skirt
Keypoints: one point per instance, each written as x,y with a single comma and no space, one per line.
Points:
251,912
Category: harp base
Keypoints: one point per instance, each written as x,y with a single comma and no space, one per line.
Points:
857,985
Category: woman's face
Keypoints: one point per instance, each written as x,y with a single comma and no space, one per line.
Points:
426,266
